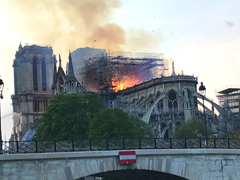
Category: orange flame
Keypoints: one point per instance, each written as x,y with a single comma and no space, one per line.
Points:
125,83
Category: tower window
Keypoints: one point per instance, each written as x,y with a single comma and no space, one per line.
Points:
44,79
35,77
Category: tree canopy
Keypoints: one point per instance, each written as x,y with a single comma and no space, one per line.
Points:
143,129
112,123
83,116
191,129
68,117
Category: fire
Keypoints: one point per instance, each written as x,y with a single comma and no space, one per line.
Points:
118,86
125,83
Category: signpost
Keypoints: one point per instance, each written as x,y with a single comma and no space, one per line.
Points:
127,157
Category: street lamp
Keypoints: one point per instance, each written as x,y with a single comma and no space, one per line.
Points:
1,97
202,90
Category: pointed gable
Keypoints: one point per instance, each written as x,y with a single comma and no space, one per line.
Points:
70,68
65,83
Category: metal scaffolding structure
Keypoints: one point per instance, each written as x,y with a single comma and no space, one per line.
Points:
118,70
229,98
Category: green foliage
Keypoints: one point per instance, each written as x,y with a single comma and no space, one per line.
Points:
68,117
83,116
112,123
143,129
191,129
235,134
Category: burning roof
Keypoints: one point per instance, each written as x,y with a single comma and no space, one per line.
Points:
119,70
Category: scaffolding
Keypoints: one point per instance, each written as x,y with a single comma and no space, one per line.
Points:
229,98
125,68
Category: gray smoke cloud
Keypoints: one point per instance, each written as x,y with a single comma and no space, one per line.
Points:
73,23
67,24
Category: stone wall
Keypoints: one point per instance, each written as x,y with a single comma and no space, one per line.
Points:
168,111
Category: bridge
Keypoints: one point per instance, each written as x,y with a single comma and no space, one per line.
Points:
178,159
177,164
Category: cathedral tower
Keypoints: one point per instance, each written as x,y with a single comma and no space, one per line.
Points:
33,78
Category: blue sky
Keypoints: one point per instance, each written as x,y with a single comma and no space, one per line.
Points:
201,36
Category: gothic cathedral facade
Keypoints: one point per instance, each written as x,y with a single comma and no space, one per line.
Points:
33,77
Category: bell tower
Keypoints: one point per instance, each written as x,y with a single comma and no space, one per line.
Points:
33,76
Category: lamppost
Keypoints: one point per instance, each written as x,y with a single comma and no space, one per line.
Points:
1,96
202,90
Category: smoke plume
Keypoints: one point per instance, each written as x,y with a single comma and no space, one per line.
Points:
73,23
67,24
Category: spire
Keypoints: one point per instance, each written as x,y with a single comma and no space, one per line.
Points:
173,71
20,46
60,61
70,67
54,72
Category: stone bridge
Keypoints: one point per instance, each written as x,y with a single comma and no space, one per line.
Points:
177,164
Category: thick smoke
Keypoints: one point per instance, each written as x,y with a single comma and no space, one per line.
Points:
72,24
68,24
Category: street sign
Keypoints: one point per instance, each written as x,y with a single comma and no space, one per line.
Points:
127,157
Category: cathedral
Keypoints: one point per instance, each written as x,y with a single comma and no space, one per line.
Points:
36,80
33,75
163,102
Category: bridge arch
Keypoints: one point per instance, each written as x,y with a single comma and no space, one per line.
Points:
137,174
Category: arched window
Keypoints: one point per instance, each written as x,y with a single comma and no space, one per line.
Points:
172,102
35,77
44,79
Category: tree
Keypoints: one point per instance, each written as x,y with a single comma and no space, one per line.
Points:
111,123
114,123
143,129
191,129
68,117
235,134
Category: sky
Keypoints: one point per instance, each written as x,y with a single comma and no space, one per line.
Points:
202,37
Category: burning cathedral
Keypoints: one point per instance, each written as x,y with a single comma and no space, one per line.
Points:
135,82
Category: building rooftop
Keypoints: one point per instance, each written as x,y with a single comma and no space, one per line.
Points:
229,90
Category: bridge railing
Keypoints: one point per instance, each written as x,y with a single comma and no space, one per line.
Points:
13,147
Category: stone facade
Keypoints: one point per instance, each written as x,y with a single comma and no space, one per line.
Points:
163,102
33,72
36,80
